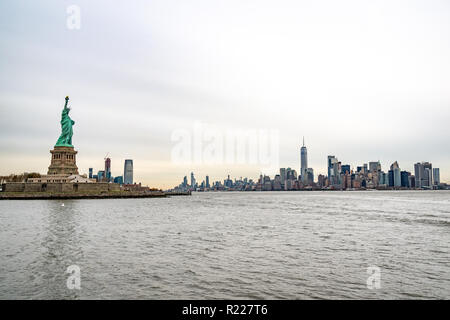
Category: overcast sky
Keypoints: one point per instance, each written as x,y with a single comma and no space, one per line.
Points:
361,80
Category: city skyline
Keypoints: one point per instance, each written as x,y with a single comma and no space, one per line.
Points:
357,82
340,176
302,161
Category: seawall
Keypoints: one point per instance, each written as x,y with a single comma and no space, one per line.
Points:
80,195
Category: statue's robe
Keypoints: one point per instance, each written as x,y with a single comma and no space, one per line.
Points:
66,129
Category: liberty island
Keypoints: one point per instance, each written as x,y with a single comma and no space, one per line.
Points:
63,180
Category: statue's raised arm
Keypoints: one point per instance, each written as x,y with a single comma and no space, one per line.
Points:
67,101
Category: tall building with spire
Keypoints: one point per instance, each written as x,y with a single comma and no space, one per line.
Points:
303,162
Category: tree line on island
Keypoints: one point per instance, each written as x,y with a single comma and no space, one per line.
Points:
19,177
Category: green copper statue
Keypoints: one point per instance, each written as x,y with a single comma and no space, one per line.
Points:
65,139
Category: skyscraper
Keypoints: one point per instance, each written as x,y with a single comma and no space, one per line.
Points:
100,175
207,182
374,166
91,170
192,180
128,172
383,179
412,181
428,179
283,175
330,163
418,174
395,168
423,173
334,171
108,169
303,162
436,177
404,176
390,178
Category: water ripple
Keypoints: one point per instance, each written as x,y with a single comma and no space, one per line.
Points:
255,245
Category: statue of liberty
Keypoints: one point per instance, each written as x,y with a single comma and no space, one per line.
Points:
65,139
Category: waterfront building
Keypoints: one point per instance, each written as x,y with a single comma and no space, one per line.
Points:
404,177
424,175
397,180
118,180
436,177
391,178
207,182
128,171
412,181
100,176
419,174
90,172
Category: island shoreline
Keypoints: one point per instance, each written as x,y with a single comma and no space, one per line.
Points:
64,196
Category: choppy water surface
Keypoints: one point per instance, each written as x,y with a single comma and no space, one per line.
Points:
281,245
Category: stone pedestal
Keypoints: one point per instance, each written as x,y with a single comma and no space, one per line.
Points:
63,161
